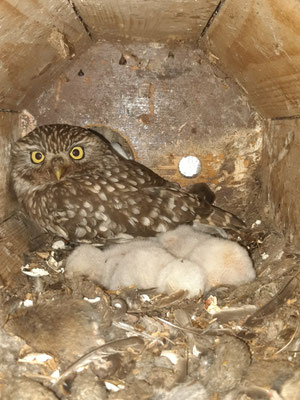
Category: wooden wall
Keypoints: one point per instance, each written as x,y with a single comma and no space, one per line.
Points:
169,103
36,39
258,43
39,38
151,20
14,237
9,131
281,164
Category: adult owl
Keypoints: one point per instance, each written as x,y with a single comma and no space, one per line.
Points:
72,183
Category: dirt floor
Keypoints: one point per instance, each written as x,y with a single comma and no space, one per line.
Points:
64,339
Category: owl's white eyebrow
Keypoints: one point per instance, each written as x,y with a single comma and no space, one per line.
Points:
77,144
35,148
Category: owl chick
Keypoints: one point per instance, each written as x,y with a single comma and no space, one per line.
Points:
182,259
141,263
225,262
72,183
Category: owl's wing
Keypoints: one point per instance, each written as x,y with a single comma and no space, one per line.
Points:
87,208
143,173
154,185
149,178
184,207
203,191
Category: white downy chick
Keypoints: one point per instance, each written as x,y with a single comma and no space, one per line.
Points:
182,274
141,263
182,259
85,260
97,265
140,266
181,241
224,261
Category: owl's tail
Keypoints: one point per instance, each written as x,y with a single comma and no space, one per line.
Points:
223,219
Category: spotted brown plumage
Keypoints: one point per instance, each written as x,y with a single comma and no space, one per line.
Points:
72,183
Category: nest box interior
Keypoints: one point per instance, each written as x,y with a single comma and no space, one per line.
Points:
215,80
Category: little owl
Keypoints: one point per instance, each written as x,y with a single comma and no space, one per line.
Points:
72,183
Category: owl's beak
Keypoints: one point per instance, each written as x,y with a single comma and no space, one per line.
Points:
58,167
58,172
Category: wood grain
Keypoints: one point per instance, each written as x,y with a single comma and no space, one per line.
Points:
154,20
257,43
37,38
281,175
167,108
14,242
9,131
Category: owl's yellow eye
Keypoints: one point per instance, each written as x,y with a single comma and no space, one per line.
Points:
77,153
37,157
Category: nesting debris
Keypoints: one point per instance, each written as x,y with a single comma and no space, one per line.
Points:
34,271
86,387
26,389
36,358
135,343
277,300
65,328
189,391
59,245
232,358
28,303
